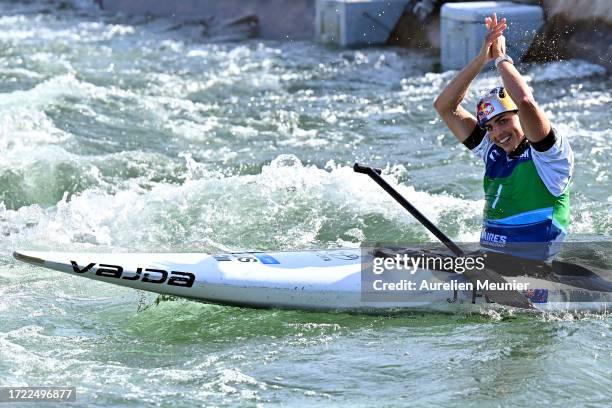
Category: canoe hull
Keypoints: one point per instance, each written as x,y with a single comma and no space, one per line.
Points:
323,280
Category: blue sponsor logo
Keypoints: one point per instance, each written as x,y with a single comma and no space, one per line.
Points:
266,259
537,295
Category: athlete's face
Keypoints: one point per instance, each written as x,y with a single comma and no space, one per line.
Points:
505,131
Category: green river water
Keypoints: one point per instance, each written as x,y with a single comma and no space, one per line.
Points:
130,134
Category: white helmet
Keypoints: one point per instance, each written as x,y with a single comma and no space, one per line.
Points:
495,102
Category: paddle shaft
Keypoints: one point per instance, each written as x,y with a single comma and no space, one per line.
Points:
375,175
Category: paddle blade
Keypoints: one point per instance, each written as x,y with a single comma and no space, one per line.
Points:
508,297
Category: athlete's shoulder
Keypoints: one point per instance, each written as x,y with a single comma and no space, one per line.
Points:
551,143
554,160
478,142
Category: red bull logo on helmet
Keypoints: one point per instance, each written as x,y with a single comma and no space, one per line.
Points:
495,102
485,110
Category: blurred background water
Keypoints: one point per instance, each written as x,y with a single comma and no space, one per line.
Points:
126,133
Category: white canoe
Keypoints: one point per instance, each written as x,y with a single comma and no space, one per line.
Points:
323,280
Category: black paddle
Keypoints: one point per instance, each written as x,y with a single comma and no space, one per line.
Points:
503,297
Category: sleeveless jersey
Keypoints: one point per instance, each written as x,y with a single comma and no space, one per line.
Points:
527,209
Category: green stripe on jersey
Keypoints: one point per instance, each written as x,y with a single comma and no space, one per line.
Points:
523,191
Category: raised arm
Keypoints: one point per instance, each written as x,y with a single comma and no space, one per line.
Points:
533,120
448,103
